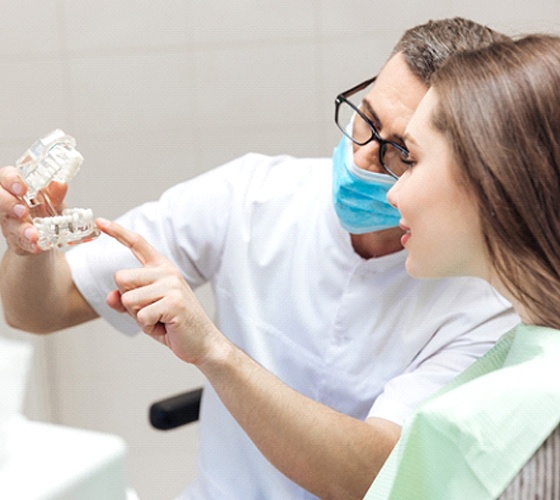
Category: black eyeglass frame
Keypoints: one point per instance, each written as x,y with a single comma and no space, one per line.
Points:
343,97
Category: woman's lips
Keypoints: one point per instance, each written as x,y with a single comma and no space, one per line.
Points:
406,236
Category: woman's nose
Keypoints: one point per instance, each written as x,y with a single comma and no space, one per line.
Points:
393,193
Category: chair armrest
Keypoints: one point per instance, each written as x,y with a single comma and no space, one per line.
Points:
176,411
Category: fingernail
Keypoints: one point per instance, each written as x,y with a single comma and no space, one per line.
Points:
17,189
102,222
19,210
28,233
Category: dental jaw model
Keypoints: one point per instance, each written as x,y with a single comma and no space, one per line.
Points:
54,158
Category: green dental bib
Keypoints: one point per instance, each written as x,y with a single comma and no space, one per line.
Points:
472,438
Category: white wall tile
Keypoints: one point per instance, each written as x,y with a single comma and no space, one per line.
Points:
359,18
28,27
225,23
511,16
131,92
254,85
33,98
120,24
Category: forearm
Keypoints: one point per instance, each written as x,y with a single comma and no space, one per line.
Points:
38,294
330,454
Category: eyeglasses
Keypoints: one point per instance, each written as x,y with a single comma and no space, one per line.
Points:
392,156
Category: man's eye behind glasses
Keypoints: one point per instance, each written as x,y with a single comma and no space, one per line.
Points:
397,160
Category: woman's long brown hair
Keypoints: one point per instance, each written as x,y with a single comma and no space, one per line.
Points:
500,110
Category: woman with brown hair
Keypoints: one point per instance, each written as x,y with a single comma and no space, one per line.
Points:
481,197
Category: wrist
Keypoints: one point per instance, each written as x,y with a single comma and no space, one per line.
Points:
220,356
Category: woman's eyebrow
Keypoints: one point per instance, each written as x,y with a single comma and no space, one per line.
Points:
375,118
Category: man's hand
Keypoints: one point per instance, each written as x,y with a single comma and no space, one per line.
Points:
159,299
330,454
15,218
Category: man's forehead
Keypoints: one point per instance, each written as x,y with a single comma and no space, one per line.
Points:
397,67
395,95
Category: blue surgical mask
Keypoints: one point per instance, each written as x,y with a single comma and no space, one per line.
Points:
360,196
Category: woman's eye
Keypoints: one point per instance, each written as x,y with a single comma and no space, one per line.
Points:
406,158
408,162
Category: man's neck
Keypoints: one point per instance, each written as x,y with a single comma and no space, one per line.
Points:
377,244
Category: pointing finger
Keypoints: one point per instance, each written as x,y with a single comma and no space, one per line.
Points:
146,254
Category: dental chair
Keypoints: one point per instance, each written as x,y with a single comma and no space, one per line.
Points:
539,479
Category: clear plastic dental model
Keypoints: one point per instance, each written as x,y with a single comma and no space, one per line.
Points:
54,158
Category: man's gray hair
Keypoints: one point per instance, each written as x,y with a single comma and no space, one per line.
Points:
427,47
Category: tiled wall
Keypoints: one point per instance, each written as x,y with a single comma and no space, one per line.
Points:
157,92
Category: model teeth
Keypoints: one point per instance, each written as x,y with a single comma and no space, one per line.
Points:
75,225
54,158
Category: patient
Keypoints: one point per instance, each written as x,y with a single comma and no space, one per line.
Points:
481,197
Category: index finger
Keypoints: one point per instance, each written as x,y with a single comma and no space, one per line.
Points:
145,253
